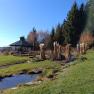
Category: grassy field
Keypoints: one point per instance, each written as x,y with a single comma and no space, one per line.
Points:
9,59
75,79
46,66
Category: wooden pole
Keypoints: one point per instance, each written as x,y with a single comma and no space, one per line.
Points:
42,51
68,51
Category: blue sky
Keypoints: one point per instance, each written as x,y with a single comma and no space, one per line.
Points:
18,17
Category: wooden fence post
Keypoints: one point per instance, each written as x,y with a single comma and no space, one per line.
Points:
42,51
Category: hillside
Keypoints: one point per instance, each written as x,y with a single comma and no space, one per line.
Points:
76,78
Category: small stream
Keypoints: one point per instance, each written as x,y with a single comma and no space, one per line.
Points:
10,82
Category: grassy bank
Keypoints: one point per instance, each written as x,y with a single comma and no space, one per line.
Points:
9,59
75,79
46,66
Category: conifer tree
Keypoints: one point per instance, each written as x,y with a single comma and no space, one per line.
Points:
90,16
59,35
52,39
89,28
74,24
70,25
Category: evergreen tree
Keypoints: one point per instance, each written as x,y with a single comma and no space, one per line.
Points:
59,35
52,39
71,24
90,17
89,28
74,24
81,21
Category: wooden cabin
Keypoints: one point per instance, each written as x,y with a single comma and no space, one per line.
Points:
22,46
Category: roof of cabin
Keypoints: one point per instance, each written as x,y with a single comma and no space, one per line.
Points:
21,42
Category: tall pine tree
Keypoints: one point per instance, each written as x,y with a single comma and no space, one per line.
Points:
52,39
90,17
74,24
88,34
70,25
59,35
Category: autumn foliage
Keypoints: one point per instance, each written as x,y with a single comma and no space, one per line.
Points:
87,37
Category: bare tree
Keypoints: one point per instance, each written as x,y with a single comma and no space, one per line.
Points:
32,38
43,37
87,38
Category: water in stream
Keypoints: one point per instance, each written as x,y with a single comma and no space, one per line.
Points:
13,81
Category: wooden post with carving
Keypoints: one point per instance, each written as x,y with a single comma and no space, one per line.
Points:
78,49
82,48
42,51
55,51
68,51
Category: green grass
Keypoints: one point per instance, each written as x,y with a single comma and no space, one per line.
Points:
46,66
75,79
9,59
